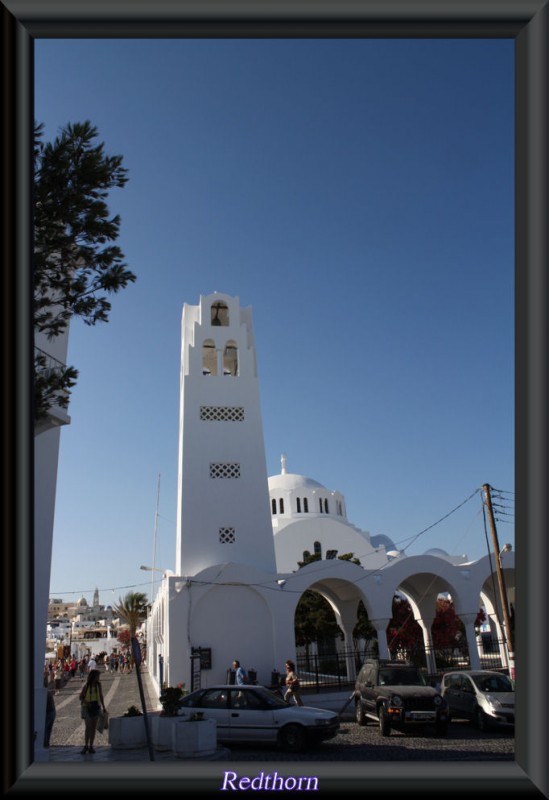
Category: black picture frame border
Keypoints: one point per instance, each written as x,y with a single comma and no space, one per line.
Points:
527,22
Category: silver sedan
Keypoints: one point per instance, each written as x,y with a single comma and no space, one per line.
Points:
255,714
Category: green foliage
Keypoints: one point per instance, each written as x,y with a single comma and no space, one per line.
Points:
132,609
314,619
133,711
363,628
170,699
350,557
75,261
314,616
308,558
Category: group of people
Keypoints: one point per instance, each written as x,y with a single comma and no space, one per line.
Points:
60,671
291,681
118,662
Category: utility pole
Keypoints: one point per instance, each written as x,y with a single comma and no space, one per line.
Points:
502,588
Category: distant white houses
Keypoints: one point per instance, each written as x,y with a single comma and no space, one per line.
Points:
81,629
240,534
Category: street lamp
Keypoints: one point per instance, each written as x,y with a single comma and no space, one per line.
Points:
150,569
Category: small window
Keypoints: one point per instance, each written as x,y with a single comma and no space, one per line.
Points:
273,506
298,501
318,549
326,506
320,504
305,505
281,506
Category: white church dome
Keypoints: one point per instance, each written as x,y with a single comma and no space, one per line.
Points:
296,496
291,482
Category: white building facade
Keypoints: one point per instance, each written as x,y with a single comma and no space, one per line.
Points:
240,534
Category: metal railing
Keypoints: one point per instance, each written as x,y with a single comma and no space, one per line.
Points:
338,670
51,364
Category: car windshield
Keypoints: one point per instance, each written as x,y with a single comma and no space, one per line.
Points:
401,677
493,683
270,699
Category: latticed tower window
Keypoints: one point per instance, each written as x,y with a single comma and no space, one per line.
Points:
224,470
222,413
227,535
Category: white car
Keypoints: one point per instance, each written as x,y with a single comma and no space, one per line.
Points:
255,714
485,697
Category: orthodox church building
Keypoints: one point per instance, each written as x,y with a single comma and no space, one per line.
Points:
240,534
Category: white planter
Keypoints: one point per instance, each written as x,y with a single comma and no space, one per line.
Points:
162,727
194,739
127,733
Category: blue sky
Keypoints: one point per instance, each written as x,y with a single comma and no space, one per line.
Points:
359,195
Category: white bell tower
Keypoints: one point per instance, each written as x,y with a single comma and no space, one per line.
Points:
223,499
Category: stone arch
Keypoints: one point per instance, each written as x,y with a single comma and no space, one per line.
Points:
422,590
227,605
343,596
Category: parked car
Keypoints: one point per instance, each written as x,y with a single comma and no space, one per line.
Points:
485,697
396,695
255,714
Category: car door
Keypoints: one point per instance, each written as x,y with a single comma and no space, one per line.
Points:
367,689
249,719
214,703
468,697
452,693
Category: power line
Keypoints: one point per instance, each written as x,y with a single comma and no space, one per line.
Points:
410,539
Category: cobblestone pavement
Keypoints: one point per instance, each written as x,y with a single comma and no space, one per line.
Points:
353,743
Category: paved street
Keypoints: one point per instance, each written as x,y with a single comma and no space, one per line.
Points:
353,743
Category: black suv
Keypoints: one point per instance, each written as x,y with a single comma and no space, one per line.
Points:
395,694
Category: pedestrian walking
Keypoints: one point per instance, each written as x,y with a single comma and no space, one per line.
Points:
293,691
91,699
51,713
240,677
58,677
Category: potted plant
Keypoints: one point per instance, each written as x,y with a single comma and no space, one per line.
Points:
162,725
133,711
128,731
170,698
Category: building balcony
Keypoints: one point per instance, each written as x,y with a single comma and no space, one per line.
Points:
56,416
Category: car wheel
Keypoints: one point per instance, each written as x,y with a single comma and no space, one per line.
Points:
384,722
293,738
481,719
360,716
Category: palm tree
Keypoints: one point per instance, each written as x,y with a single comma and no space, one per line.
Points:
133,610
